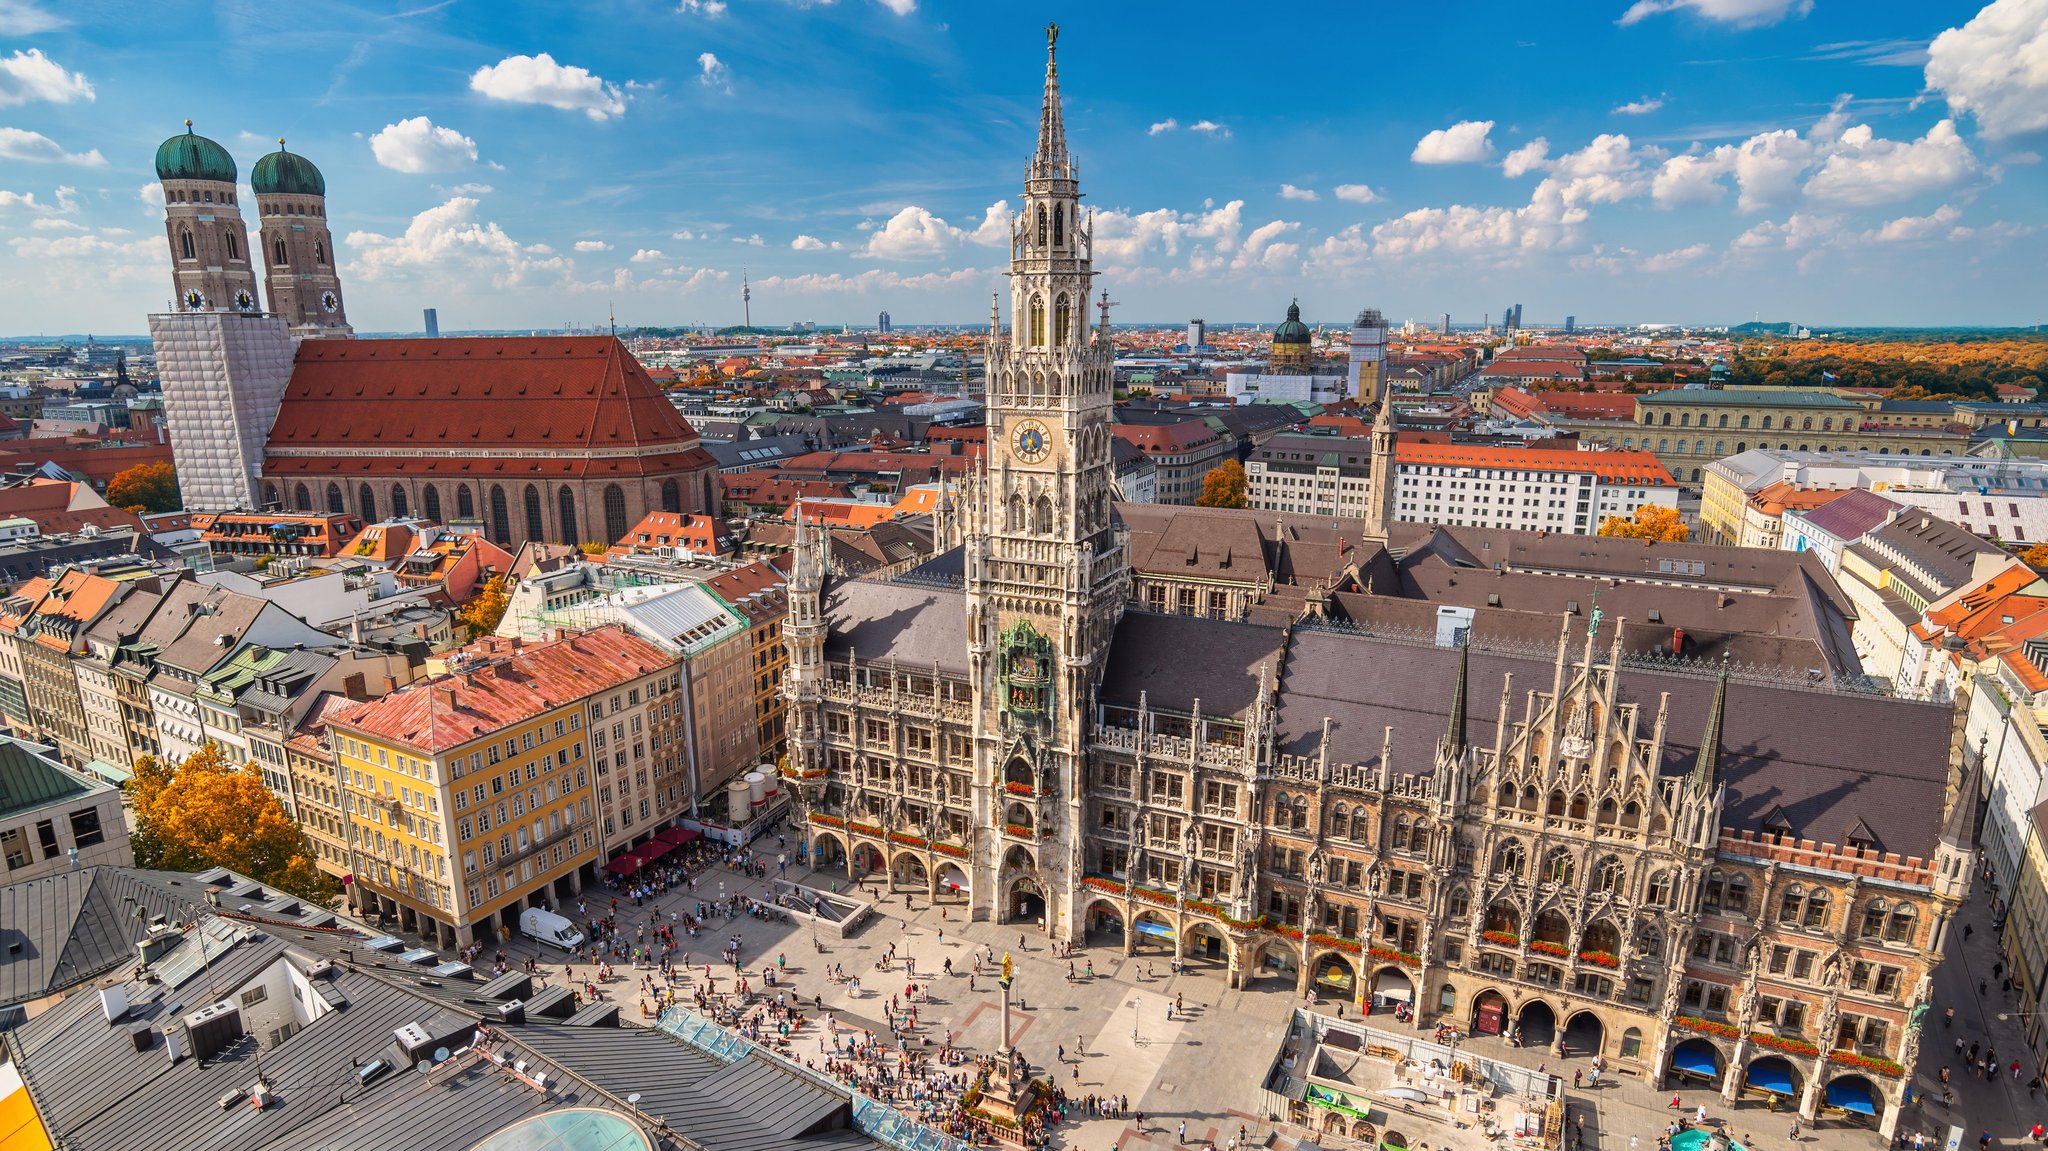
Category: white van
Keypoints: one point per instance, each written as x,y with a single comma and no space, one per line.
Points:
551,929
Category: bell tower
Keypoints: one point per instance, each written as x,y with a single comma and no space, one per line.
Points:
210,263
298,249
1046,567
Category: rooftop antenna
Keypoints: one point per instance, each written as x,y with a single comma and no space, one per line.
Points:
612,314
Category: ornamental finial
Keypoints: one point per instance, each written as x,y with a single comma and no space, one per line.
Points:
1052,38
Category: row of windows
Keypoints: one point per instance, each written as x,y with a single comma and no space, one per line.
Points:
1827,423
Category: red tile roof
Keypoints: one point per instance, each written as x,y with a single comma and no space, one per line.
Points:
700,534
462,402
510,684
1613,467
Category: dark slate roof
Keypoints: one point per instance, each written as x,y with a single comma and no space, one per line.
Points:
1828,759
911,625
78,925
1176,659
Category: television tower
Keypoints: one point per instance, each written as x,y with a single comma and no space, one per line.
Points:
746,300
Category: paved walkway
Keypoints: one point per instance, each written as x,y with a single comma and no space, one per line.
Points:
1110,1035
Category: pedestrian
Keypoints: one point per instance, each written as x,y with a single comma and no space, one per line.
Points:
1675,1104
1181,1136
1795,1130
1577,1078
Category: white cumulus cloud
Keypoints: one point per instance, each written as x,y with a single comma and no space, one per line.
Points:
419,145
701,8
1465,142
900,7
912,234
1357,194
1528,158
1209,128
21,144
29,76
713,72
1166,125
1741,13
1906,228
1865,170
1290,192
592,246
540,80
1642,107
807,244
1996,67
647,256
448,240
1676,258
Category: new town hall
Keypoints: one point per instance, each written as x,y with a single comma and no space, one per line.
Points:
1443,769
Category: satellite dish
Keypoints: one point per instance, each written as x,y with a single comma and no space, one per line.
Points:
440,1055
424,1067
634,1099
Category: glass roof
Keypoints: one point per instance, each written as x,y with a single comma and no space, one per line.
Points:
570,1129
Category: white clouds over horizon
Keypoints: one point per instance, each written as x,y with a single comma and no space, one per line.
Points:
540,80
1740,13
417,145
19,144
1465,142
31,77
1995,67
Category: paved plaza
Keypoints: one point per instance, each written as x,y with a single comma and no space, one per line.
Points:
1111,1035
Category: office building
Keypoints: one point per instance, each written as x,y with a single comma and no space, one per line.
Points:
882,324
1368,357
432,322
1571,325
1198,334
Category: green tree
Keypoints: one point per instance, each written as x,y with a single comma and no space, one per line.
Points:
146,488
1223,487
206,812
482,614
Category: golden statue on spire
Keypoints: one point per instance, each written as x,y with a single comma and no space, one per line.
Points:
1052,37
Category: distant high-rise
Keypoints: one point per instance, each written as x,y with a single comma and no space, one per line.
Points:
1198,334
1443,324
1571,325
1368,356
882,324
432,316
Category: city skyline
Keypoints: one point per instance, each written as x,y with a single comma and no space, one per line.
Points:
1724,158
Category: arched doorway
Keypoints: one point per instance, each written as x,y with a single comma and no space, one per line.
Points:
1103,923
1489,1013
1693,1062
1335,977
1026,903
1854,1098
867,859
1584,1034
1203,944
1536,1024
1275,963
907,870
827,851
1774,1075
1391,987
952,883
1151,931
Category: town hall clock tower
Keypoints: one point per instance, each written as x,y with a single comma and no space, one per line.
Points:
1046,568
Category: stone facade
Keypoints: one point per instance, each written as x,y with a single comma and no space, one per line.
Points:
224,374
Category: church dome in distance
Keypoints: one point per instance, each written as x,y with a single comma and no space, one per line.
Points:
1292,330
286,173
193,157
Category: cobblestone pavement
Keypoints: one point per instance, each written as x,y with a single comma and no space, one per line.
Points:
1110,1034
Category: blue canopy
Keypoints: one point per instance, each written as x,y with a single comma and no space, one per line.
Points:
1147,927
1695,1056
1852,1094
1771,1074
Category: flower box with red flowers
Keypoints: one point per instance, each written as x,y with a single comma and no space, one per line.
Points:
1337,941
1154,896
828,820
1866,1063
1504,938
1018,830
1545,947
952,849
1100,883
1287,931
1390,955
1786,1043
1206,909
1015,788
1707,1026
866,829
906,840
1601,958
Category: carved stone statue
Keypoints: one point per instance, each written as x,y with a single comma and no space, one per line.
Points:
1831,969
1189,840
1315,867
1576,743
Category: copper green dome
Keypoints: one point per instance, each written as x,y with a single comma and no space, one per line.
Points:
284,173
1292,330
193,157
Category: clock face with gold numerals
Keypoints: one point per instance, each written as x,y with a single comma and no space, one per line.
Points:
1031,442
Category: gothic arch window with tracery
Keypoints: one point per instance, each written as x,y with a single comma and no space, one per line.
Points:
1037,324
614,513
430,503
1041,225
1559,867
566,499
1059,226
366,503
1508,860
1609,875
277,251
535,526
302,499
465,504
234,250
398,503
185,248
1062,321
334,500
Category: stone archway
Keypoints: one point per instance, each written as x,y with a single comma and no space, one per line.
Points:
1536,1024
1274,964
952,885
1391,986
1152,930
867,859
827,851
1694,1061
1489,1013
1024,901
1853,1098
1204,944
1772,1074
1334,976
908,870
1585,1034
1102,922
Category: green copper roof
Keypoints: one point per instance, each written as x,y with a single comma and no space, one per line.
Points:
1292,330
285,173
193,157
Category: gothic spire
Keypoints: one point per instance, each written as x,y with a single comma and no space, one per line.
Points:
1706,771
1454,737
1050,162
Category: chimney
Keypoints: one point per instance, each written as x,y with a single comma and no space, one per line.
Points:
445,696
390,684
353,687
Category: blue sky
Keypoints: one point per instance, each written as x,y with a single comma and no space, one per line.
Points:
521,164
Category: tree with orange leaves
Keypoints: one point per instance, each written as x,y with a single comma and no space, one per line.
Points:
205,812
1651,522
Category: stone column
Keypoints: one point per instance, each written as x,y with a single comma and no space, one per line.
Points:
1809,1099
1731,1080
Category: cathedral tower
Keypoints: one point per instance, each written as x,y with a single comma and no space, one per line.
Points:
209,245
298,251
1046,570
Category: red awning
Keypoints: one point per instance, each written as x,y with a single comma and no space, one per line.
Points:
625,864
652,850
677,835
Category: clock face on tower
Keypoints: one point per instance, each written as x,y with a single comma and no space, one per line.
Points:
329,301
194,300
244,301
1031,443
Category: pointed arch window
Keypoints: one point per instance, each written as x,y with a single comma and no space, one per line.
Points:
430,503
302,500
501,517
465,504
1038,320
1041,226
535,527
1062,321
399,505
319,252
614,513
1059,226
234,249
334,501
366,503
277,251
185,248
566,501
672,497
